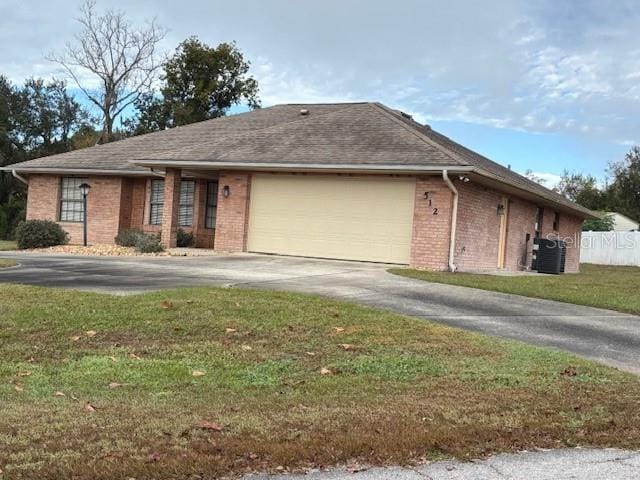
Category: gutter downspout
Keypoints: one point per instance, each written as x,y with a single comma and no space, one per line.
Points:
22,179
454,220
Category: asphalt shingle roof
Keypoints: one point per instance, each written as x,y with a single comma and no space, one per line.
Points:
358,134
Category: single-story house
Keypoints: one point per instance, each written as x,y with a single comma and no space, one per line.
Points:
622,223
354,181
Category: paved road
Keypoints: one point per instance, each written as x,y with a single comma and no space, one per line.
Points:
582,464
605,336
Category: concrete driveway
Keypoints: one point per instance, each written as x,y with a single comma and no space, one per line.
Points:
605,336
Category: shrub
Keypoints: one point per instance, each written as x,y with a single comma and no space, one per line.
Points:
148,244
185,239
40,234
128,238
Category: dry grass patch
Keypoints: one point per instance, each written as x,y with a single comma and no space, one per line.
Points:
602,286
4,263
100,387
8,245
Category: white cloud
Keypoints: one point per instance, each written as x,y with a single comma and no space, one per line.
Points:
549,180
537,66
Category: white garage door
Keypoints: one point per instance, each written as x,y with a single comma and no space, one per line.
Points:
340,217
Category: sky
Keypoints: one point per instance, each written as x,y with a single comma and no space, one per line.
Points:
544,85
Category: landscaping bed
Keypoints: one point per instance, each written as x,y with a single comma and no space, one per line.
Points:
200,383
95,250
118,251
602,286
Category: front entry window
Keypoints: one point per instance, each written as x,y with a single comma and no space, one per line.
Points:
212,204
71,201
187,194
156,202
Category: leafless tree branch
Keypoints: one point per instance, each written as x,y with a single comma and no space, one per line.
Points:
123,58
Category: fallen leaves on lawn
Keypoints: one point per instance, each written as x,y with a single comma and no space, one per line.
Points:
166,305
213,426
59,394
90,333
346,346
113,385
326,371
112,358
355,468
154,457
89,408
230,330
198,373
18,388
134,356
75,338
338,329
570,371
246,348
311,354
23,374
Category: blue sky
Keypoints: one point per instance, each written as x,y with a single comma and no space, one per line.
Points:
541,85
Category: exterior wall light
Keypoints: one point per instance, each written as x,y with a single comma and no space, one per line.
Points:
226,191
84,190
501,209
464,178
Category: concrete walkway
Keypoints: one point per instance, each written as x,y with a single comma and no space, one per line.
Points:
609,337
577,464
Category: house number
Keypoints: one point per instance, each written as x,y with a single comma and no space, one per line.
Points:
435,211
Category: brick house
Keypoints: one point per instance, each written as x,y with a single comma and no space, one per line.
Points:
356,181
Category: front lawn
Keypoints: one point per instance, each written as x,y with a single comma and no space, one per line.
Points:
198,383
8,245
4,263
614,288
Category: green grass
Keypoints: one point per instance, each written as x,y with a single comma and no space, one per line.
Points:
400,389
614,288
4,263
8,245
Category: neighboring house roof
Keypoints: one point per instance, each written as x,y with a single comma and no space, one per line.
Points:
354,136
622,223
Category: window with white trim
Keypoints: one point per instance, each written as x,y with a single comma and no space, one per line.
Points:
156,202
187,195
71,201
211,205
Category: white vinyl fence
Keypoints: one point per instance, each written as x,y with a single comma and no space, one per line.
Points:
610,248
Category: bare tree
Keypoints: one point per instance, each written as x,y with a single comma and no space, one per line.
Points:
122,57
535,178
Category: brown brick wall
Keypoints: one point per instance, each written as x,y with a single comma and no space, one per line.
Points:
103,206
172,181
570,230
479,231
431,227
43,197
521,221
116,203
478,227
571,233
233,212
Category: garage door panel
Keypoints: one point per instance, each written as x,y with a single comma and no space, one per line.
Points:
332,217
